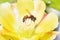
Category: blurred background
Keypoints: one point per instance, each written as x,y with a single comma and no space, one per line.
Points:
52,6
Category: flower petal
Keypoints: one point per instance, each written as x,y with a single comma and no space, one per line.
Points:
1,38
9,35
39,8
39,5
49,23
24,5
7,17
49,36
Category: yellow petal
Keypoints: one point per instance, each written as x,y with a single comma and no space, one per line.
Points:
24,5
39,5
49,23
7,17
1,38
49,36
9,35
46,36
38,12
35,37
7,12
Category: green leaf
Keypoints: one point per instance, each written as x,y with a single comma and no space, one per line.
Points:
2,1
53,4
46,1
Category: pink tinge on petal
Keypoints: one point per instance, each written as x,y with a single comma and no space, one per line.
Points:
43,16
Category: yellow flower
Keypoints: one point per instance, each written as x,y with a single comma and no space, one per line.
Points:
27,20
